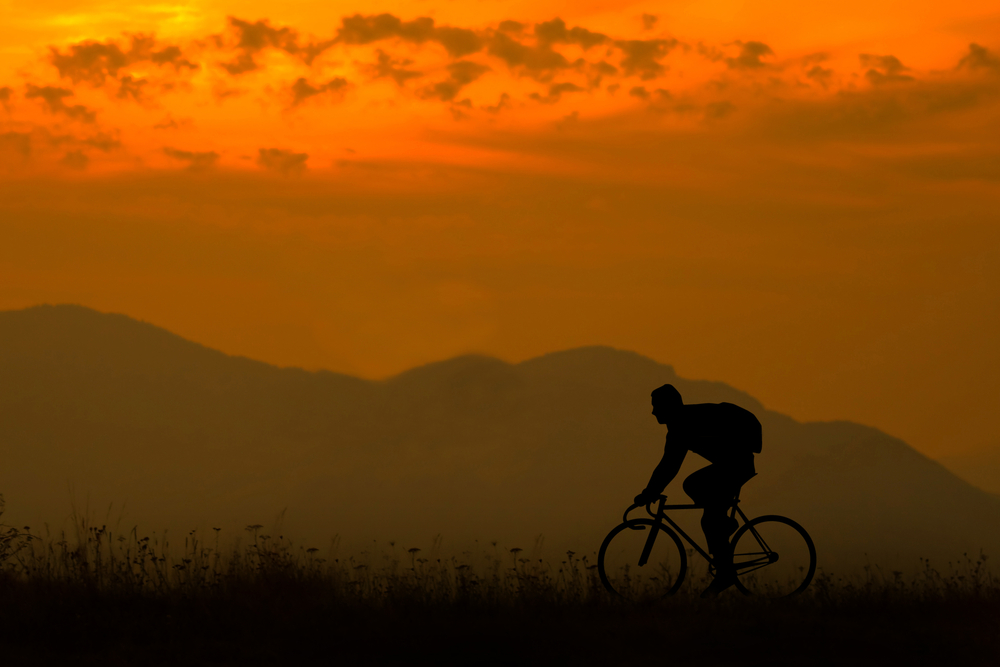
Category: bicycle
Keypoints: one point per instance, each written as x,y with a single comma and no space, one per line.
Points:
644,558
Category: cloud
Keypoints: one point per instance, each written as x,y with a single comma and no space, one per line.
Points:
539,62
461,74
555,32
360,29
502,103
252,38
94,62
643,94
129,87
283,161
102,142
719,110
90,61
458,109
820,75
884,69
303,90
172,56
979,58
388,67
649,21
750,56
77,160
555,93
5,94
458,42
196,161
53,98
171,123
642,56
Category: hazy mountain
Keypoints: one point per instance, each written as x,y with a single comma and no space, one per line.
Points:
105,409
980,466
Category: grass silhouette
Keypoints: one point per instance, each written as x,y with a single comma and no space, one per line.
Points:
98,597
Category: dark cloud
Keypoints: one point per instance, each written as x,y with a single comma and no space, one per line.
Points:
252,38
171,123
172,56
53,98
555,32
260,35
884,112
90,61
388,67
502,103
656,98
555,92
884,69
640,92
719,110
129,87
6,92
255,37
361,29
76,160
820,75
459,109
710,52
303,90
285,162
750,56
597,71
979,58
196,161
461,74
94,62
649,21
642,56
102,142
539,62
458,42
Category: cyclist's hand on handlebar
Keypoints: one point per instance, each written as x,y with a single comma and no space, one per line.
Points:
646,497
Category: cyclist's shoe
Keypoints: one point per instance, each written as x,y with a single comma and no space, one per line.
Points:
722,581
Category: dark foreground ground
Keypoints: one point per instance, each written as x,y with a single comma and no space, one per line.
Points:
293,625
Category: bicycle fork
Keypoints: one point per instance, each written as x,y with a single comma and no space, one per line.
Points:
648,547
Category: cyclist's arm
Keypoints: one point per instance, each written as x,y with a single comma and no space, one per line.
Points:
667,468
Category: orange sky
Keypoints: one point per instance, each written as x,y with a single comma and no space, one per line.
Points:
798,199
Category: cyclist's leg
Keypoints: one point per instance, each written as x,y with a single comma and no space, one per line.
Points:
715,487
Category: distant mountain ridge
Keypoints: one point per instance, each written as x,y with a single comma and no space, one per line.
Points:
122,411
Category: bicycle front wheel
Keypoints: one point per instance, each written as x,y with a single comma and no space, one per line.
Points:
660,575
774,557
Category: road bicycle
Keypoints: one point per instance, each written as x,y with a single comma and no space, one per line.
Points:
645,558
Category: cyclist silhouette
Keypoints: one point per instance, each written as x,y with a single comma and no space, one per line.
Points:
728,436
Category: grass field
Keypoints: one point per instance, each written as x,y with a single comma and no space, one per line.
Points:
96,597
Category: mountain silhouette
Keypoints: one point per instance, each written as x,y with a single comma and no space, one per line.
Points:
106,411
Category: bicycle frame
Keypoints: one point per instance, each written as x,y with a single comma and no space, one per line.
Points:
661,517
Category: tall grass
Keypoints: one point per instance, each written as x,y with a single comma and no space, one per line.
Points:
99,559
98,596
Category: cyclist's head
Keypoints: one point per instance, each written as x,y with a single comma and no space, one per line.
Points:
666,399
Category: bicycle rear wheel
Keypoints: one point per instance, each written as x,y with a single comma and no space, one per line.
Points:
618,561
774,557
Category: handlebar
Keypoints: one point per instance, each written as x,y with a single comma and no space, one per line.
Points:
649,510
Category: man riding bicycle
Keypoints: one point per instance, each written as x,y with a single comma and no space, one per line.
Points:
728,437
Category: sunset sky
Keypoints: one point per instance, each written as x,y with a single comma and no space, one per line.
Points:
798,199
